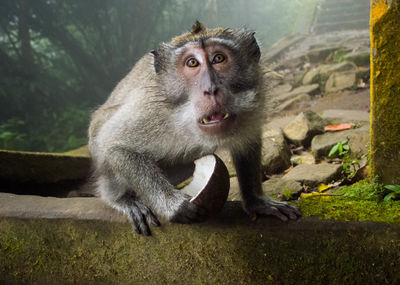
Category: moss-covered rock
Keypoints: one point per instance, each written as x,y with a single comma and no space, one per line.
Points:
228,250
385,90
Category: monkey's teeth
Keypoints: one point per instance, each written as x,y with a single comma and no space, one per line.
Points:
206,121
226,116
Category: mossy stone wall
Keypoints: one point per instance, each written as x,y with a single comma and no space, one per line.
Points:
385,90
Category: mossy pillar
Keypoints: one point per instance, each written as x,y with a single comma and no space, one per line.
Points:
385,90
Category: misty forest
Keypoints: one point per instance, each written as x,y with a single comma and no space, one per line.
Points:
61,58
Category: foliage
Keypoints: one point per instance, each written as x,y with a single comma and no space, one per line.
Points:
363,190
361,201
59,59
339,149
394,191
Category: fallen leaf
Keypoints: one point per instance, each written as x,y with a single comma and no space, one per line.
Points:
315,195
322,187
339,127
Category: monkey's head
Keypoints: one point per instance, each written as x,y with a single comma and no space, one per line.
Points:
214,76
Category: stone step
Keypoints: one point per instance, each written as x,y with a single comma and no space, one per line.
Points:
348,25
227,250
345,15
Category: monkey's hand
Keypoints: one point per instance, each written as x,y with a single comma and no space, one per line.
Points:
185,212
140,216
262,205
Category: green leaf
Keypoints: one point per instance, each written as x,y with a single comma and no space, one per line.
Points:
340,148
388,197
393,188
334,149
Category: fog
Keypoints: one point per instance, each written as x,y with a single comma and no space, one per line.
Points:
59,59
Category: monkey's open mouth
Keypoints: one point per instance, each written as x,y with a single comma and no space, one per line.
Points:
217,123
214,118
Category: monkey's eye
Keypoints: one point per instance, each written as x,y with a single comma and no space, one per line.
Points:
192,62
218,58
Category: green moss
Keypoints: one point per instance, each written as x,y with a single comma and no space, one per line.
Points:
230,252
385,90
350,210
361,201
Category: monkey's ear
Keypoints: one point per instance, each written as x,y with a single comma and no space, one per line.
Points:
197,28
249,44
160,54
256,53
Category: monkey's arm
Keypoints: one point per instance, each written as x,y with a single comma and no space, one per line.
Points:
248,168
133,183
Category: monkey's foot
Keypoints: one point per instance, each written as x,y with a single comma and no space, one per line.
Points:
265,206
140,216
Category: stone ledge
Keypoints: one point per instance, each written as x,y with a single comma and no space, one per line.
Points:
30,206
227,250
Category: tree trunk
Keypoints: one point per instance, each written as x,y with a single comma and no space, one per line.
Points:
24,34
385,90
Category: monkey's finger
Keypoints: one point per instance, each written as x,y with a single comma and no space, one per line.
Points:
295,210
139,221
151,218
288,211
272,211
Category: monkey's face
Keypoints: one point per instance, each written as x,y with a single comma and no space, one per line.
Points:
214,78
206,70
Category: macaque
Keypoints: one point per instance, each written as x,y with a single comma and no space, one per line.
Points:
201,91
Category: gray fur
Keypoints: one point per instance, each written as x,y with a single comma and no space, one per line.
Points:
149,123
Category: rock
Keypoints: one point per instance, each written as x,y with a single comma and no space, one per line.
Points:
358,139
275,152
345,116
361,58
28,206
292,102
314,174
278,123
226,157
304,127
285,189
326,70
340,81
305,89
303,158
234,191
280,89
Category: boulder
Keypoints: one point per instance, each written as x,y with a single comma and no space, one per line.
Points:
326,70
225,155
303,158
345,116
305,89
281,89
304,127
275,152
361,57
314,174
338,81
288,104
358,139
234,190
283,189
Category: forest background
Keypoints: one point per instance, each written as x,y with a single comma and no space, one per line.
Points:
60,59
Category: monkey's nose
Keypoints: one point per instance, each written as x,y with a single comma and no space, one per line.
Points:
213,90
